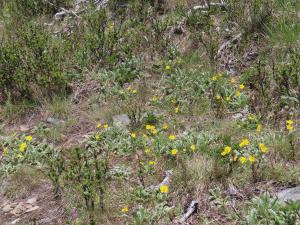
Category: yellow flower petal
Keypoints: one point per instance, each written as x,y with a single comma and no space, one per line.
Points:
164,189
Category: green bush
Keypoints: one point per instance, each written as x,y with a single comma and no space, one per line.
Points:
30,8
30,62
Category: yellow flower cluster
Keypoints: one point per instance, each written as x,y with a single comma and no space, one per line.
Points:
131,90
99,125
217,77
172,137
23,147
133,135
152,163
151,128
165,126
193,147
125,209
244,143
226,151
154,98
289,125
174,152
28,138
258,128
263,148
243,156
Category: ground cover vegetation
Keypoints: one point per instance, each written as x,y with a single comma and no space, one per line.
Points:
149,112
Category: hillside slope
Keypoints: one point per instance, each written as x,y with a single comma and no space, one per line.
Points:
150,112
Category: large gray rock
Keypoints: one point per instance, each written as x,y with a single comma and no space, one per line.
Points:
121,120
290,194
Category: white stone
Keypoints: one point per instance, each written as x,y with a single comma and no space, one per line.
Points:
290,194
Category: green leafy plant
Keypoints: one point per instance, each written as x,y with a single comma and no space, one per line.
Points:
269,210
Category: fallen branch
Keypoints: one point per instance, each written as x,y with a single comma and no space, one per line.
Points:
64,12
191,209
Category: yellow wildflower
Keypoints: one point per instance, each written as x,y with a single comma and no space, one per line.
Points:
165,126
263,148
244,143
218,97
5,151
99,125
228,98
235,158
252,158
243,160
174,151
226,151
237,93
125,209
97,137
147,150
172,137
164,189
28,138
259,128
252,117
242,86
177,110
129,88
168,67
148,127
154,131
133,135
154,98
193,147
289,127
133,91
20,156
23,147
152,163
214,78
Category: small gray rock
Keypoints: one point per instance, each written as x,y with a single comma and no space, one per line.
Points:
15,221
32,209
7,208
54,121
19,209
237,116
290,194
32,200
121,120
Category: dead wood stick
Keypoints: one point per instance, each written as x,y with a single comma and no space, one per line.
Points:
191,209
